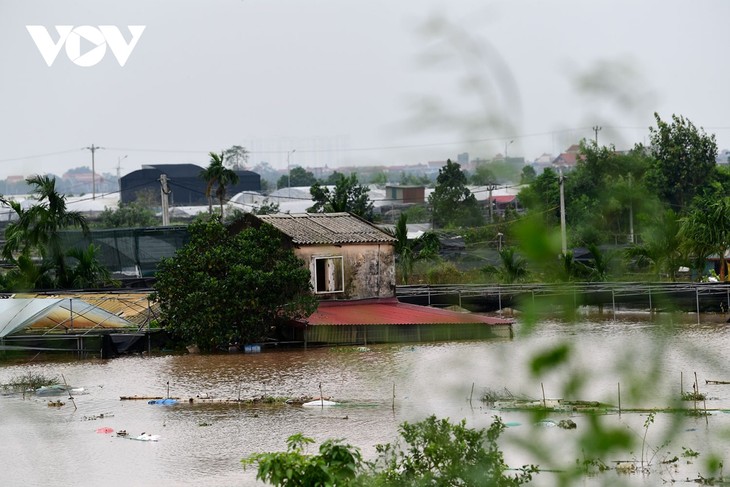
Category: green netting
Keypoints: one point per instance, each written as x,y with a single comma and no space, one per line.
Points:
130,251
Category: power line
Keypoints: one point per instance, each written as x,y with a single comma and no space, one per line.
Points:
357,149
36,156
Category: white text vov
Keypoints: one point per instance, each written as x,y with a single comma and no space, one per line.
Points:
98,37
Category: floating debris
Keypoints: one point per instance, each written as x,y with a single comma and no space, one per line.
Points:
58,390
163,402
567,424
55,404
105,431
144,398
320,402
140,437
99,416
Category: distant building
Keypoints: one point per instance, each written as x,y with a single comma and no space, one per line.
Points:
463,158
569,158
188,188
405,194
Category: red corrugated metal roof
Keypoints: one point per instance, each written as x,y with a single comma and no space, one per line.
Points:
391,312
507,198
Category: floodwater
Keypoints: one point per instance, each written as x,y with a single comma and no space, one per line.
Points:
641,358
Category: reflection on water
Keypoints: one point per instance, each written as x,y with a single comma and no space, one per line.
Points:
204,443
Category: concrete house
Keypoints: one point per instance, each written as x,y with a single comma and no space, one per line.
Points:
352,266
347,257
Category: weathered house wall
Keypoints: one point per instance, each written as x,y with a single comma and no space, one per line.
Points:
368,270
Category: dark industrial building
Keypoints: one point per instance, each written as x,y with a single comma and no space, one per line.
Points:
188,188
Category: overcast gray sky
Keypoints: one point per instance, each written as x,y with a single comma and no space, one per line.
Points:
356,82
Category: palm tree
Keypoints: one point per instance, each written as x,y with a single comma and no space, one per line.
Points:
706,231
38,227
88,272
512,269
661,248
216,174
410,251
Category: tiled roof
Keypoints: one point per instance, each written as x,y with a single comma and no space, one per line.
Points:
326,228
391,312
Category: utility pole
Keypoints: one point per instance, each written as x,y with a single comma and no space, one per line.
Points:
491,187
596,129
631,214
93,149
164,192
288,170
563,234
119,174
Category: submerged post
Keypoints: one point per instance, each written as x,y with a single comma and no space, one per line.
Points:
613,302
393,404
619,399
69,392
697,299
544,402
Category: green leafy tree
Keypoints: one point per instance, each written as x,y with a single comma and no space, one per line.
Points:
661,249
347,196
528,175
220,287
437,452
332,179
452,204
219,176
684,160
483,176
337,464
299,177
706,231
236,156
434,452
410,179
379,178
127,215
543,195
417,214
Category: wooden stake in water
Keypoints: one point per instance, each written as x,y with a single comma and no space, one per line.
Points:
681,384
472,393
168,389
619,399
69,392
393,396
544,403
321,397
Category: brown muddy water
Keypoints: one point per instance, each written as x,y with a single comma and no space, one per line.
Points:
203,444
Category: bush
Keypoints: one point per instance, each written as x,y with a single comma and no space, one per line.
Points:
435,452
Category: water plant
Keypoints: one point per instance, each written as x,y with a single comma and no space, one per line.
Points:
29,381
